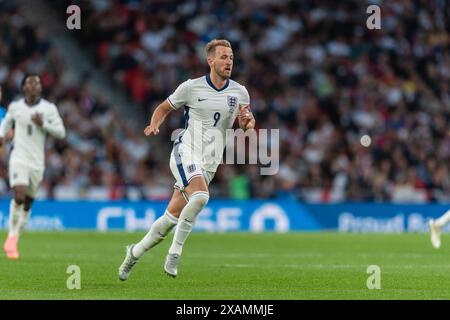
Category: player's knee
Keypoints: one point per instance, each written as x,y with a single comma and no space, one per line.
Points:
176,213
28,203
200,198
19,198
27,206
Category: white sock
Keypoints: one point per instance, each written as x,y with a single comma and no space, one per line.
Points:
23,221
158,231
196,203
443,220
15,211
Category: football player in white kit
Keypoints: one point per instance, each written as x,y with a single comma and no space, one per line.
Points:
211,104
33,118
436,228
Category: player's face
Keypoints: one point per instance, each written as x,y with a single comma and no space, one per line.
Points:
222,62
32,87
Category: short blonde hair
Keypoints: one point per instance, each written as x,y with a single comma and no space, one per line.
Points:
211,46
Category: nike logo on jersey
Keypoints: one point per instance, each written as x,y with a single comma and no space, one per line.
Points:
201,99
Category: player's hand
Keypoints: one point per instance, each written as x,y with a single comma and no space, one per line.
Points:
37,119
151,130
10,135
245,115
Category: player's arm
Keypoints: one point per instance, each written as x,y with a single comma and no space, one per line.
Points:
6,125
10,135
158,117
175,101
53,124
245,118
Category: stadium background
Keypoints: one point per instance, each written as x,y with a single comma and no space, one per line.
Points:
313,70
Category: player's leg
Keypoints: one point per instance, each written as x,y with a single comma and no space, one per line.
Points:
443,220
15,212
162,226
198,196
158,232
36,177
19,181
26,213
16,208
435,229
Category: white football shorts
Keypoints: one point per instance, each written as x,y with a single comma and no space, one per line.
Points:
22,175
184,169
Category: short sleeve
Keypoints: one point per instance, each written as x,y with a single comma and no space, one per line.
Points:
180,96
52,115
245,96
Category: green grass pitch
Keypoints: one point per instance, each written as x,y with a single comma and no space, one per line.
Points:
234,266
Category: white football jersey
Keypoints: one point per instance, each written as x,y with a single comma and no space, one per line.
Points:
29,139
208,113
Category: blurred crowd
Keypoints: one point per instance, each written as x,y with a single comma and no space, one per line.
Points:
364,115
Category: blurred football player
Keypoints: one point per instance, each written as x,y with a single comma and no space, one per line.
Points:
211,104
436,227
33,118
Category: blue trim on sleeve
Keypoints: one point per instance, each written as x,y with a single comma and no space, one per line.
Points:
171,104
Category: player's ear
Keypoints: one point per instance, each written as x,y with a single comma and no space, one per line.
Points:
210,60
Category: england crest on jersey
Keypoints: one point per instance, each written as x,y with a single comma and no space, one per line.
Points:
232,103
191,168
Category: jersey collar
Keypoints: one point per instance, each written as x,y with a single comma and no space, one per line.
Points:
31,106
208,79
